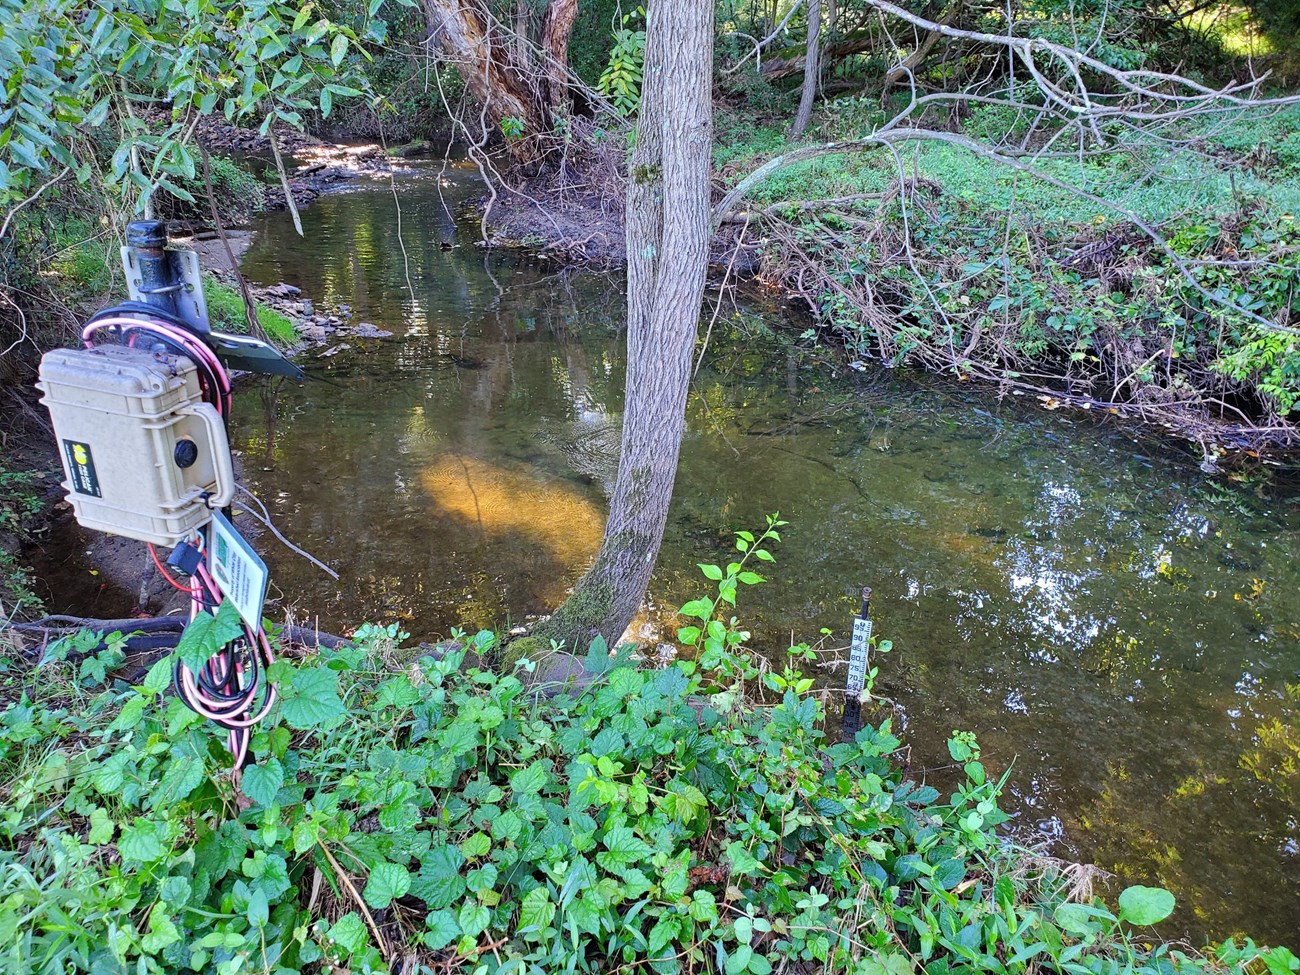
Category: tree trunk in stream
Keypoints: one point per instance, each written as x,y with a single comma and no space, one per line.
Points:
667,248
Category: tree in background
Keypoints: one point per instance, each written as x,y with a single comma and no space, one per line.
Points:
811,70
517,73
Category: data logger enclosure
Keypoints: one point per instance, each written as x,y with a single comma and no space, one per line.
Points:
143,455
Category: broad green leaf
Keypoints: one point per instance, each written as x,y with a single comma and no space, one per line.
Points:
338,49
349,933
259,908
1076,919
711,571
1145,905
532,779
207,633
142,841
742,861
184,774
535,914
387,882
582,916
699,608
439,882
163,933
473,918
476,845
261,782
442,929
311,700
159,677
704,907
662,934
744,928
110,776
622,849
101,827
738,960
949,873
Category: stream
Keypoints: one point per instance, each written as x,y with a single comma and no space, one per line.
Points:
1118,628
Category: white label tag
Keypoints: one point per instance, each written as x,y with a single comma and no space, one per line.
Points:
237,569
856,681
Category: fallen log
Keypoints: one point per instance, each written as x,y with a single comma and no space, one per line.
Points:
153,633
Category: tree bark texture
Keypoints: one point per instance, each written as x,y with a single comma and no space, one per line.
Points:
811,74
557,28
501,68
667,248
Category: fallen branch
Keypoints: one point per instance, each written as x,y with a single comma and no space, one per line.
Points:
155,632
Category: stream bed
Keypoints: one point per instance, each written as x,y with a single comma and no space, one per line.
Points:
1121,631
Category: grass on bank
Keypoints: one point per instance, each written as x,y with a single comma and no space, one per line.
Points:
420,813
976,269
226,314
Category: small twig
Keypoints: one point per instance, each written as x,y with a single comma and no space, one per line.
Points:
250,307
4,228
380,941
284,181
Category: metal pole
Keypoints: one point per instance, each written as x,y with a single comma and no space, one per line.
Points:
159,282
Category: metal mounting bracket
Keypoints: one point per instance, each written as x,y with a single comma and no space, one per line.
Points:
186,291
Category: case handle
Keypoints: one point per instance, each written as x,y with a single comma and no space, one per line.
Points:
223,464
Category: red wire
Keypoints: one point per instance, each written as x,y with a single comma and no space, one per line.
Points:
165,574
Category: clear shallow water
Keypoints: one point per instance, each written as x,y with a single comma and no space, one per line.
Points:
1119,630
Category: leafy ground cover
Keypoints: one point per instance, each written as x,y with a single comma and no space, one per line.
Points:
21,501
416,812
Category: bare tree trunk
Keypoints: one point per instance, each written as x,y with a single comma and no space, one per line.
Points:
557,27
667,247
498,65
811,73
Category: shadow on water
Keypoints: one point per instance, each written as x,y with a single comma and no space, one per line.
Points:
1123,634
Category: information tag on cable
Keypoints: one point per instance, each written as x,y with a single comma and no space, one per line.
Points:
237,569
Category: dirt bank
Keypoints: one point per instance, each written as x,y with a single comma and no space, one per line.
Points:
577,216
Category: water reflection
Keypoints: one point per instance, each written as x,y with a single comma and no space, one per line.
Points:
1123,635
552,530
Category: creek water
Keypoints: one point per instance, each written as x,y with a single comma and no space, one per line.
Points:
1117,628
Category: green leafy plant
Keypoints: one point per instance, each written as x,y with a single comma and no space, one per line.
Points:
74,67
620,82
408,811
19,503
